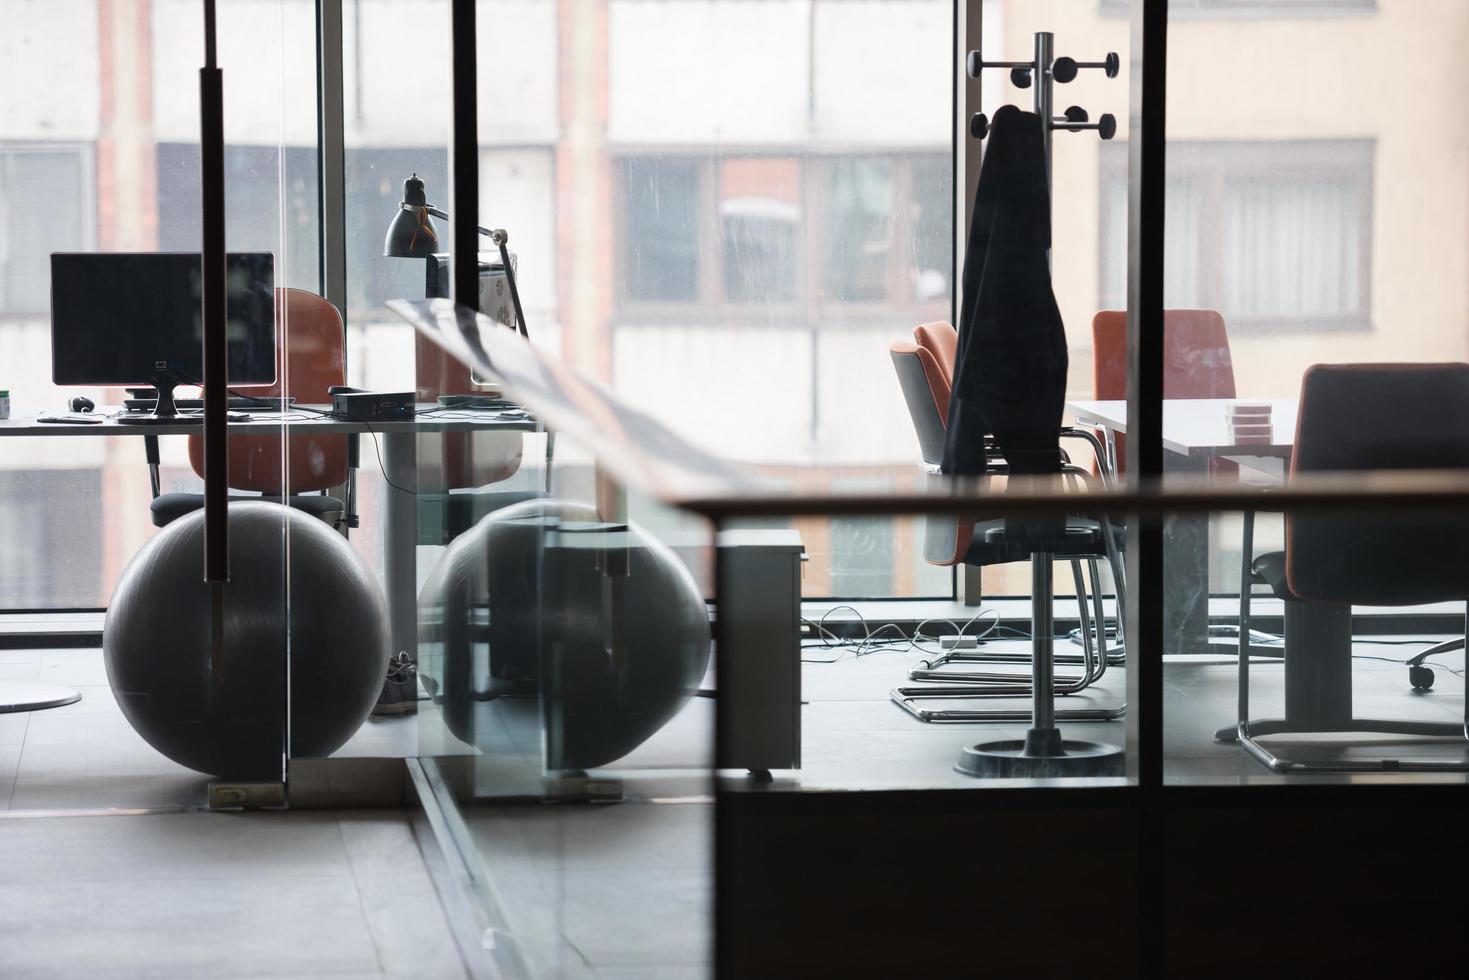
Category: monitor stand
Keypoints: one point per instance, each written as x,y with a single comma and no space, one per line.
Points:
165,412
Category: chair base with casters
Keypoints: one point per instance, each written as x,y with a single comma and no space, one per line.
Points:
1420,675
1043,752
1318,683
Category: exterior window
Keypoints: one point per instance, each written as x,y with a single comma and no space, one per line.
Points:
1199,9
760,220
932,227
859,223
1276,236
862,549
662,255
255,179
45,207
50,554
811,234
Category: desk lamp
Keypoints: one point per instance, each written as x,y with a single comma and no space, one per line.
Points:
412,235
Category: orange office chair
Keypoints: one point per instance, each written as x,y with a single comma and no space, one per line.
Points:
926,388
314,462
1196,363
453,492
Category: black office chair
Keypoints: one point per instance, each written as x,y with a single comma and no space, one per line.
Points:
1359,418
1084,541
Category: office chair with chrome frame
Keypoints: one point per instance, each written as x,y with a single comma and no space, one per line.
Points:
940,341
1358,418
926,385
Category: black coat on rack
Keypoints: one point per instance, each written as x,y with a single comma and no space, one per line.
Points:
1010,370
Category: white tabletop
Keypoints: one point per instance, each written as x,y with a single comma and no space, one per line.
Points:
431,417
1201,426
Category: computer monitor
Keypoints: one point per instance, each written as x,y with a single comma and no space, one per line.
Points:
135,318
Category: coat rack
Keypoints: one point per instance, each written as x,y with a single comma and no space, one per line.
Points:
1043,752
1042,73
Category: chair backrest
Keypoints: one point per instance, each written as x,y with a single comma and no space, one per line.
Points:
312,330
466,459
1357,417
926,391
941,341
1196,358
926,375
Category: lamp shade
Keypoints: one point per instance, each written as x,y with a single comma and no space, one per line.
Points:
412,234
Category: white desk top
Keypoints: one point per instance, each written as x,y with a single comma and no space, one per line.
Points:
431,418
1200,426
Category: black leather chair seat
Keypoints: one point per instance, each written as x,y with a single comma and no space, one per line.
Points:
994,543
169,507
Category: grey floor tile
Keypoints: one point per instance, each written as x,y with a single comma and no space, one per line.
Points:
76,668
175,926
258,895
658,971
408,928
637,918
226,846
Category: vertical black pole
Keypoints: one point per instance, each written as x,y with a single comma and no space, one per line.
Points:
1145,639
216,435
464,160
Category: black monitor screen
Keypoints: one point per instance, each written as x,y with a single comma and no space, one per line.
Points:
116,317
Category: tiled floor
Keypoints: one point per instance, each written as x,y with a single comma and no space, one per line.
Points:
263,895
558,878
85,756
556,869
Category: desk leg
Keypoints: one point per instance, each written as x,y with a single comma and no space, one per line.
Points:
1318,666
400,540
1186,572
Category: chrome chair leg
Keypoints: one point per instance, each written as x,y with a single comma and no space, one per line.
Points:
1014,684
909,698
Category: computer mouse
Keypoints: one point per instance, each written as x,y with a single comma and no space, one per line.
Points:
81,403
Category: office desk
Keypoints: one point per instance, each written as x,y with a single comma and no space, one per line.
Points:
1195,432
399,461
1198,428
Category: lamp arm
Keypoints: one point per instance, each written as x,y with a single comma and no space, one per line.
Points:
501,239
493,233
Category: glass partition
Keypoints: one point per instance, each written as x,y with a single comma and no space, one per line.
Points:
570,726
1314,324
100,155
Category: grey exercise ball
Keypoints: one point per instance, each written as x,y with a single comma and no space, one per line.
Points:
598,620
228,719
